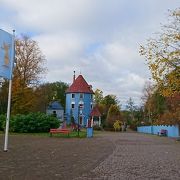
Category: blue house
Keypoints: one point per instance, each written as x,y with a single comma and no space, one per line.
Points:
79,101
56,109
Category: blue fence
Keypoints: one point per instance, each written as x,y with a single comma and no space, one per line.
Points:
172,131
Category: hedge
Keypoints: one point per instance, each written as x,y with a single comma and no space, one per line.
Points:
30,123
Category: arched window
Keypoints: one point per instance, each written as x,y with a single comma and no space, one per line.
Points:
72,105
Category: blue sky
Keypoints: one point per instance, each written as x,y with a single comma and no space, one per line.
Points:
100,38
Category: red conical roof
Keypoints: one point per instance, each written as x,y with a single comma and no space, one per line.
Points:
80,86
95,112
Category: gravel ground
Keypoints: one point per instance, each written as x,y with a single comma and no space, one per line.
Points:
140,157
44,158
108,156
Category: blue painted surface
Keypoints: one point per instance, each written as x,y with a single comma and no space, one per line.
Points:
89,132
172,131
85,111
55,105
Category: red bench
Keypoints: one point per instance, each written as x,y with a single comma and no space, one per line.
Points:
62,131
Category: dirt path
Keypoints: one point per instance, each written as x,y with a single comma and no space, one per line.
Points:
108,156
35,157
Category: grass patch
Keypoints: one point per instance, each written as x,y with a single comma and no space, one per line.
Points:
82,134
73,134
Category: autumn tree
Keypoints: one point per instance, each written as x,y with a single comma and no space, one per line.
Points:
109,100
98,96
113,115
3,95
159,109
29,67
117,125
163,55
47,92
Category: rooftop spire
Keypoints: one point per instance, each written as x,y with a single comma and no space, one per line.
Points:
74,76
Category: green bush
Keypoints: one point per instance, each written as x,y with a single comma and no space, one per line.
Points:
33,122
2,122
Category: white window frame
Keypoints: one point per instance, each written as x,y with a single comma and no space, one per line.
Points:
91,105
72,104
82,103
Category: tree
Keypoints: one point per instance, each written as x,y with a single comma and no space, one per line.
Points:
113,115
47,92
109,100
3,96
117,125
29,62
171,115
98,96
59,89
27,74
131,107
163,56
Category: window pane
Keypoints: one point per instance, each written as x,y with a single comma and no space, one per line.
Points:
81,106
81,95
72,106
81,120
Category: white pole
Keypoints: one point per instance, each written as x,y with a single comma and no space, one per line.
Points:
9,97
99,121
8,117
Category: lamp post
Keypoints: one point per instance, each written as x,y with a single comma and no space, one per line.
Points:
78,117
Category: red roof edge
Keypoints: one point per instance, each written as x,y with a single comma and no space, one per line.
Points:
95,112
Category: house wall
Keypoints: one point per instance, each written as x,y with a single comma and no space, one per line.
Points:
59,113
85,111
173,131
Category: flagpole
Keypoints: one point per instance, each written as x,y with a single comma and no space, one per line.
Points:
9,98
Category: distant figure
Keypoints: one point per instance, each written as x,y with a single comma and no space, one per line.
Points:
125,126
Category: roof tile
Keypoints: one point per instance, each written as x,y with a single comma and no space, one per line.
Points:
80,86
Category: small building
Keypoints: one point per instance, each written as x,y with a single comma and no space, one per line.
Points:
79,101
96,116
56,109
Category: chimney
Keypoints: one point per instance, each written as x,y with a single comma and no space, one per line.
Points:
74,76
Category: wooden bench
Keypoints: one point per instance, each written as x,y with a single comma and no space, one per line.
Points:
62,131
163,132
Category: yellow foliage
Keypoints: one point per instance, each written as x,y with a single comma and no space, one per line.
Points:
117,125
162,55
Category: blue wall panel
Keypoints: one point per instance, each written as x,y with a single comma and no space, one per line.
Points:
173,131
85,111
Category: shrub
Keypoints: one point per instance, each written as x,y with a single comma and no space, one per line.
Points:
117,125
33,122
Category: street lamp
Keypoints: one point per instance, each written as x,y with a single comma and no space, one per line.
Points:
79,113
78,118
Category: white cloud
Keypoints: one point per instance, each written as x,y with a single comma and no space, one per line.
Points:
99,38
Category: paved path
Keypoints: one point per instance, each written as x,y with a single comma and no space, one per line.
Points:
44,158
138,156
108,156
